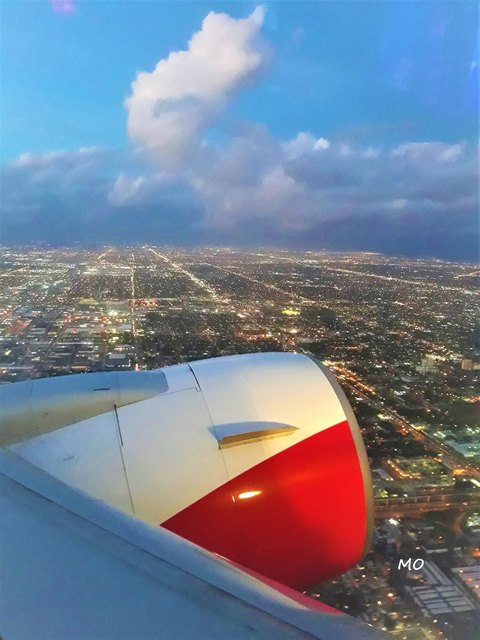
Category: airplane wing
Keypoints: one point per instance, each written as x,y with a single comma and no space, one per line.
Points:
73,567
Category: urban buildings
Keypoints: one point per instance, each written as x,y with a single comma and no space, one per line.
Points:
400,334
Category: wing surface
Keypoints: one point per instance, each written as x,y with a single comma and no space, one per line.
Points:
73,567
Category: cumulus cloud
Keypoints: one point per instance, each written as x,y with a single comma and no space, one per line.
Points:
64,158
172,106
304,143
429,151
126,189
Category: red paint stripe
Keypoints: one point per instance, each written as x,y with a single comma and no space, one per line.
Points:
307,525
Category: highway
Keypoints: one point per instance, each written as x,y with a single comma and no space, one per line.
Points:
200,283
133,318
416,505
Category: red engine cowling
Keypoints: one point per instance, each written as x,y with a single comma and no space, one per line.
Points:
256,457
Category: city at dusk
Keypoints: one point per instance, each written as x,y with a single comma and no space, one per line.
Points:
239,328
398,333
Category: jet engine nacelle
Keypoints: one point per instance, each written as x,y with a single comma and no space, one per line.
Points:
256,457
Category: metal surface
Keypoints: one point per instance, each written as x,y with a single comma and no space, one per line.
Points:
296,509
238,433
73,567
34,407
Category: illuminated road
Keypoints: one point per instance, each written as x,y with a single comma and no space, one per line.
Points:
416,505
266,285
200,283
100,257
133,319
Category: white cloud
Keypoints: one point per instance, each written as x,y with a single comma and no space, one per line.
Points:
429,151
42,160
125,190
304,143
321,144
172,106
276,199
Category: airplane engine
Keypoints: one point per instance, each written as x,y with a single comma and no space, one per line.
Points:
255,457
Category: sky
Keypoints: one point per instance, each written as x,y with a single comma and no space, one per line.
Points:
322,125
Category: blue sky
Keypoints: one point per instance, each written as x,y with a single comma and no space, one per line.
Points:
366,78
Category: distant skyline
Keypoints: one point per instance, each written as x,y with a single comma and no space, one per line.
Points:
317,125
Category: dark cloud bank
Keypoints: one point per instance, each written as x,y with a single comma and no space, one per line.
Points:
252,197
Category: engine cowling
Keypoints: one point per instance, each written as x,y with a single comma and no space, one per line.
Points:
256,457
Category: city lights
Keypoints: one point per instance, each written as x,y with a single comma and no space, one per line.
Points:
397,333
